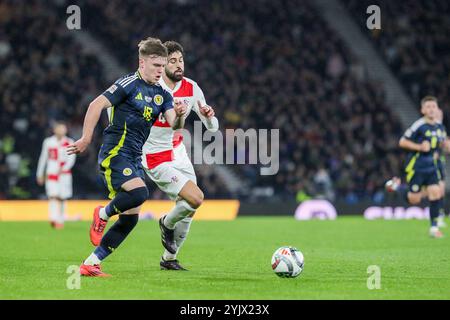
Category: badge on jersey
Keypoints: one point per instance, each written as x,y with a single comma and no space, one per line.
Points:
158,99
127,172
148,99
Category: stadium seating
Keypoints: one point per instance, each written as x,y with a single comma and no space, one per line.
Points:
45,76
265,66
413,42
271,66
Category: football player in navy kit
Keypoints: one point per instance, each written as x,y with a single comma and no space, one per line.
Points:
135,102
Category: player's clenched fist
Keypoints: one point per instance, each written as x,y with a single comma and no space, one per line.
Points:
425,146
446,145
179,107
206,110
78,146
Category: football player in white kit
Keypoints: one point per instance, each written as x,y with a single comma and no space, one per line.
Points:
167,163
58,176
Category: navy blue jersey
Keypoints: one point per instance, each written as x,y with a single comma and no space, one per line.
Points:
442,161
135,107
423,131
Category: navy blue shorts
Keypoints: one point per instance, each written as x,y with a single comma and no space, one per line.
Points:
422,179
115,170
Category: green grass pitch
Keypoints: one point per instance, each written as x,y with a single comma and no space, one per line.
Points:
231,260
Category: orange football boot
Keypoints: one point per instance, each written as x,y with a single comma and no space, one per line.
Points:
92,271
97,227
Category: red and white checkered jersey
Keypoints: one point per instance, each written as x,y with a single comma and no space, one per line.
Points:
162,139
54,158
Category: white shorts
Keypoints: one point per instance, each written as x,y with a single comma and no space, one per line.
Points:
171,176
61,188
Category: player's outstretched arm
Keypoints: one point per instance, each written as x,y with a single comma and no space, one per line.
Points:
410,145
90,121
175,117
207,115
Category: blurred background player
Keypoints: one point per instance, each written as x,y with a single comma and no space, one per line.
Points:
424,140
136,100
441,162
395,183
54,169
166,161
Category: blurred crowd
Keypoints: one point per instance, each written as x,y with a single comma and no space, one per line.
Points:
263,65
260,64
413,40
45,76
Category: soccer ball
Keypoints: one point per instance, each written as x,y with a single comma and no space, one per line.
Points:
392,185
287,262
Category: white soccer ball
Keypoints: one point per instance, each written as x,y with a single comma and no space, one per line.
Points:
287,262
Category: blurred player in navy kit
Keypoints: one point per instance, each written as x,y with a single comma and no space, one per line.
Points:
136,100
424,140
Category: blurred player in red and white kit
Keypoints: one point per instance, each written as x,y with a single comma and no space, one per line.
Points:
167,163
57,176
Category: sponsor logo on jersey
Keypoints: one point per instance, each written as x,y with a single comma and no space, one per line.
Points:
158,99
138,96
127,172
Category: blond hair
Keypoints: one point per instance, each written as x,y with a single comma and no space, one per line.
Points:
151,46
428,98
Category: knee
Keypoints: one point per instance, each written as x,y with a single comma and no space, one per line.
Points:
140,195
434,193
197,199
414,199
434,196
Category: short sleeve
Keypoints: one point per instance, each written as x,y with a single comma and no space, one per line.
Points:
115,94
168,102
198,95
411,133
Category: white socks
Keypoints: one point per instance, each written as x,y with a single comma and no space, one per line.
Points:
180,234
103,215
92,260
56,210
181,210
53,209
62,212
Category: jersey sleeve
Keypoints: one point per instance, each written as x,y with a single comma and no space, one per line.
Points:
211,124
411,133
168,102
116,93
42,160
198,96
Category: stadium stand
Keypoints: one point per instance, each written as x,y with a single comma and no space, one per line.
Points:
412,39
45,77
261,66
260,69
